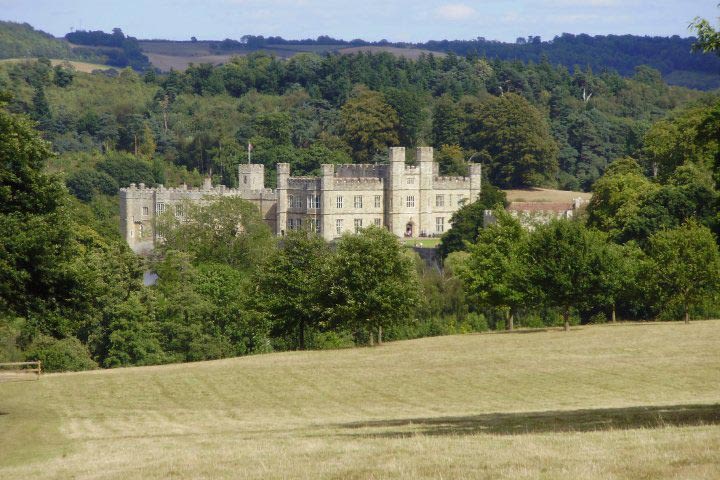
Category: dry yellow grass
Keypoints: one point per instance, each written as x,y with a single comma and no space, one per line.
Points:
79,66
602,402
545,195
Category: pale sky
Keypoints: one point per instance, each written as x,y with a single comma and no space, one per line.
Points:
405,20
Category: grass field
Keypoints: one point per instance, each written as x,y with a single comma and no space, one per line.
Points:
79,66
598,402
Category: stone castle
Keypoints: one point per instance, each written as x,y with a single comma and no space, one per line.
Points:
408,200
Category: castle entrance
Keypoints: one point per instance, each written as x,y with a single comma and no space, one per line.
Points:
409,230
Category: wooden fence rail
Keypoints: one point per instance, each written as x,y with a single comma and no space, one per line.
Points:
15,372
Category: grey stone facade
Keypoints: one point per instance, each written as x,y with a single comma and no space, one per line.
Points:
410,201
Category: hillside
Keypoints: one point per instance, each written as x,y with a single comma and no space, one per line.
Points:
20,40
625,401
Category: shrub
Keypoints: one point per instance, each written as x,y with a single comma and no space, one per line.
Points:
85,184
127,169
66,355
331,340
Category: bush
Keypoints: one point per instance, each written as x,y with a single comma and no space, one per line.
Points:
331,340
474,322
127,169
66,355
85,184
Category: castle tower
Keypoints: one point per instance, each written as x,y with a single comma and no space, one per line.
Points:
327,185
137,216
394,187
283,174
424,159
251,177
475,181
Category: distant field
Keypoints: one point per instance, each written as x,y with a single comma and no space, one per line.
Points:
411,53
167,62
79,66
545,195
631,401
165,54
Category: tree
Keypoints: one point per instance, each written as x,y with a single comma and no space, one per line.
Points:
291,285
226,230
447,123
373,282
515,137
616,197
34,222
565,266
468,220
408,105
494,272
368,123
63,75
451,160
708,39
685,265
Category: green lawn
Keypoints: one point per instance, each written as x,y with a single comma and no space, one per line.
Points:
598,402
421,242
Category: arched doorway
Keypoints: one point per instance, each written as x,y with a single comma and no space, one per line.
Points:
409,230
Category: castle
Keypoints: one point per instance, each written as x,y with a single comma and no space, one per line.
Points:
408,200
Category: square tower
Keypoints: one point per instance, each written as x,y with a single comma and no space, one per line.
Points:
251,177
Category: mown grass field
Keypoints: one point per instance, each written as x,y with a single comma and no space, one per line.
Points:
598,402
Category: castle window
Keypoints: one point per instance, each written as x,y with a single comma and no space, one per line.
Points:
291,224
312,225
245,179
358,224
439,224
313,202
298,202
378,222
291,200
411,180
358,201
410,201
338,226
159,207
298,223
179,210
439,200
339,202
145,210
378,200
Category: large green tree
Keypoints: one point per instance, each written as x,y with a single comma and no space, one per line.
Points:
565,266
225,230
373,281
292,287
685,266
468,220
515,139
368,123
494,272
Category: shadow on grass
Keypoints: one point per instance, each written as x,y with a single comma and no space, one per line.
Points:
544,422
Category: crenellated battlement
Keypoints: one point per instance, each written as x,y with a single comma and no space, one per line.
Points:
360,170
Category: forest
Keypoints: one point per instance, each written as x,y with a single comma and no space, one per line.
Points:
72,293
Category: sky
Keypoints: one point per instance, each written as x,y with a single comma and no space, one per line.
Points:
405,20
